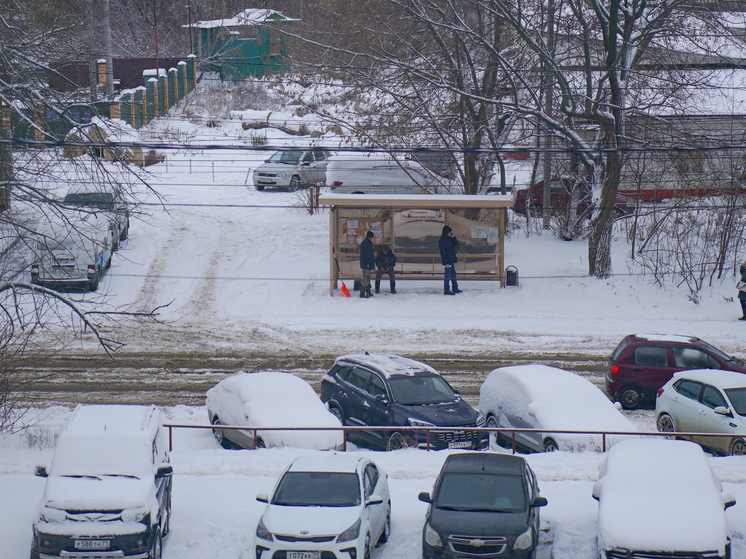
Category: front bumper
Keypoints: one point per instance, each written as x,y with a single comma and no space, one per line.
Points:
441,440
328,549
462,548
271,179
122,546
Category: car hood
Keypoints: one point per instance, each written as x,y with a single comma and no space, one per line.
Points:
275,168
106,493
469,523
309,521
448,414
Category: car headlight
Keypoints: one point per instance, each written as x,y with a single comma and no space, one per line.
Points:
524,541
352,533
136,515
262,533
419,423
52,515
432,538
283,174
481,419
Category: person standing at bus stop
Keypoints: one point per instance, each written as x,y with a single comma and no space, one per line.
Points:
448,245
386,261
367,264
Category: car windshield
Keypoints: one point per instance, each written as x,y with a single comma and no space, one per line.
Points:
286,157
421,389
481,492
317,489
737,397
721,354
101,200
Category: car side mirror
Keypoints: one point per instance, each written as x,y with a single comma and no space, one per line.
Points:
722,410
728,500
306,163
596,492
425,497
374,500
165,470
539,502
382,398
40,470
262,498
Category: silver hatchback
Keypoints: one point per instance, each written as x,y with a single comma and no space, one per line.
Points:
291,169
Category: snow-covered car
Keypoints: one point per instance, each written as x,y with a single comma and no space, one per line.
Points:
377,173
549,399
271,399
324,506
108,491
660,499
104,198
291,169
705,401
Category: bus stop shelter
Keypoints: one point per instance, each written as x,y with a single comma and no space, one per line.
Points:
411,225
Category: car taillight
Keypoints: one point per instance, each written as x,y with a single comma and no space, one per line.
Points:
335,184
91,268
614,369
658,394
34,269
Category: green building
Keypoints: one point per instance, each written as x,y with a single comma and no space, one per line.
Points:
252,43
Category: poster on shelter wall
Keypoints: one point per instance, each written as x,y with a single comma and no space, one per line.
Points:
354,230
492,234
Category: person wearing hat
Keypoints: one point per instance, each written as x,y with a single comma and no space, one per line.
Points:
367,264
448,245
385,261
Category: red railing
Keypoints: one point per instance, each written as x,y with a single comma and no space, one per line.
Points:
428,430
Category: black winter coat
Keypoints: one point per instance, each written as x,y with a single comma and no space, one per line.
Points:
386,259
448,246
367,255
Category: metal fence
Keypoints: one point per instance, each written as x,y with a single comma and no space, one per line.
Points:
430,431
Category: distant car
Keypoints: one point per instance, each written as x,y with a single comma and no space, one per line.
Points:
292,169
377,173
107,199
541,397
108,491
705,401
389,390
482,505
270,399
660,499
560,194
325,506
642,363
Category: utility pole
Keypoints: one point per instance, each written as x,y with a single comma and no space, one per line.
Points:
155,36
548,81
92,69
108,55
189,19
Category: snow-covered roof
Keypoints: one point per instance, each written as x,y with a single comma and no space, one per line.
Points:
418,200
249,17
670,338
331,462
716,377
389,365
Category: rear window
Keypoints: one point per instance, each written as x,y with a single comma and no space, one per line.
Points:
650,356
618,351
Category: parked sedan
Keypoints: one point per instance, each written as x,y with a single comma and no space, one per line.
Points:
389,390
642,363
325,506
550,399
705,402
291,169
105,199
270,399
660,499
483,505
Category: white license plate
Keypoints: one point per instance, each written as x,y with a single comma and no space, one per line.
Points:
64,262
303,555
92,544
460,444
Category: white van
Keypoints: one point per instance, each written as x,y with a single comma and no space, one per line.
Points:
72,251
108,492
378,173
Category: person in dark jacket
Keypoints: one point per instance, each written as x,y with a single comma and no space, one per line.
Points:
448,245
741,285
385,261
367,264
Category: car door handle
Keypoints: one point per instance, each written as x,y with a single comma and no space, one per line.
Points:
366,405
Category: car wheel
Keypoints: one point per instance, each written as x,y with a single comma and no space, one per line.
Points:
259,187
167,523
495,438
386,527
125,231
219,435
666,424
550,445
156,551
738,448
93,285
336,412
34,552
294,184
260,443
366,551
535,210
398,440
630,398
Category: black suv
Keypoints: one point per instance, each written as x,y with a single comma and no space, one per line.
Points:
483,505
388,390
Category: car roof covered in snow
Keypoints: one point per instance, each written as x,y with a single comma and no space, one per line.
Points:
326,462
388,365
716,377
484,462
671,338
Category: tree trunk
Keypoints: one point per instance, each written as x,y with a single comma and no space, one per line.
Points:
599,242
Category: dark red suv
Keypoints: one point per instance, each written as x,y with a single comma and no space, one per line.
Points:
560,190
642,363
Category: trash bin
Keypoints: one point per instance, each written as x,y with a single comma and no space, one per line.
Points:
511,276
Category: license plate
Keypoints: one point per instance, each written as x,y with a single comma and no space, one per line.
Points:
92,544
64,262
303,555
460,444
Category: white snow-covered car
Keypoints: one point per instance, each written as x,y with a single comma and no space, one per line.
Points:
378,173
550,399
271,399
705,401
104,199
660,499
324,506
